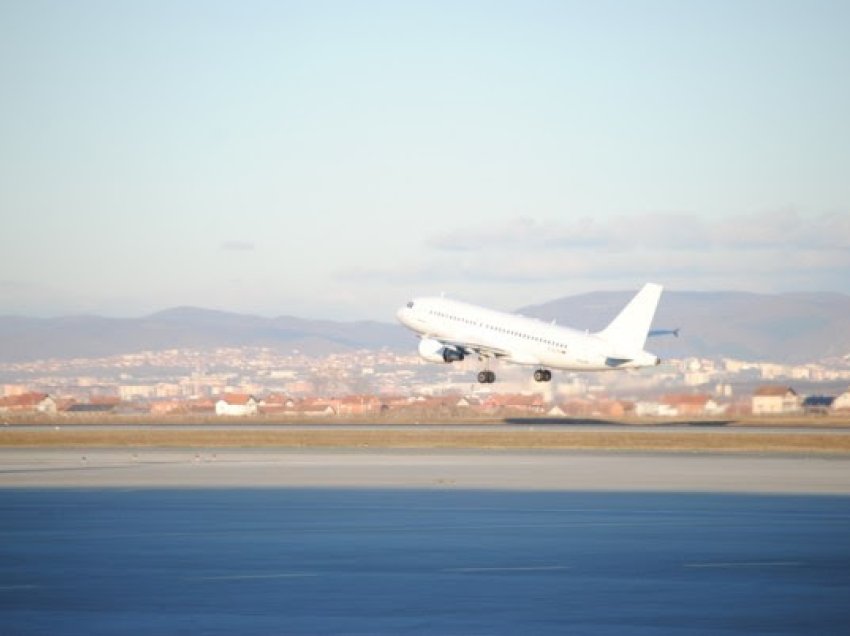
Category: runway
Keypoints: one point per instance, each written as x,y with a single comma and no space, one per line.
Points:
367,561
387,542
424,469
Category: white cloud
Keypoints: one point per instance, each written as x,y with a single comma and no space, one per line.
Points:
656,230
772,251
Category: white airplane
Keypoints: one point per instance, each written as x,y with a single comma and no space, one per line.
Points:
451,330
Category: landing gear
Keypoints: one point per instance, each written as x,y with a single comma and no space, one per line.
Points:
486,377
542,375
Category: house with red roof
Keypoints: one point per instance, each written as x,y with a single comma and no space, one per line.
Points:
28,402
358,404
689,404
239,404
277,404
775,400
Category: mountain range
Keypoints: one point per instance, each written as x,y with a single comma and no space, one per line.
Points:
794,327
23,338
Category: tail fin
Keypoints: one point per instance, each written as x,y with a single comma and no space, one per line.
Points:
628,331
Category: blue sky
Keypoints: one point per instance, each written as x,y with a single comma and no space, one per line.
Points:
331,159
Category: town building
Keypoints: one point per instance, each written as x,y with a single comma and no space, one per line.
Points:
168,407
651,408
688,404
239,404
28,402
775,400
276,404
842,402
128,392
817,404
358,405
516,402
315,407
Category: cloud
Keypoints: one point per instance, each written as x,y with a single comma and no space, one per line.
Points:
655,230
775,251
237,246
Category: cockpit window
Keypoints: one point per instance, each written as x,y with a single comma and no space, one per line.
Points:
410,305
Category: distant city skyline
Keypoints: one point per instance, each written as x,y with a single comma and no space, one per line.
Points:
330,160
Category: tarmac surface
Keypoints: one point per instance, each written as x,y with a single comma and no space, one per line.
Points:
306,542
501,470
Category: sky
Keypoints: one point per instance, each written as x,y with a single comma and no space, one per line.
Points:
333,159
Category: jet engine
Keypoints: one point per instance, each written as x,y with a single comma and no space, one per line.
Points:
436,351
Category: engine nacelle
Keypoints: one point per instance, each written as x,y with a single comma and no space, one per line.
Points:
435,351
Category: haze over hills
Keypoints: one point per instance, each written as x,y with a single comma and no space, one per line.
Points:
797,327
24,339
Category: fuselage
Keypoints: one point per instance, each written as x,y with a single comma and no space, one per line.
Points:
520,339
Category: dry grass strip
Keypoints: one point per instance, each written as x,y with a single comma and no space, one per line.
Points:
840,420
672,441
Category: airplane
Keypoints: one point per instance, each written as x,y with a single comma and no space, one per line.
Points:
450,330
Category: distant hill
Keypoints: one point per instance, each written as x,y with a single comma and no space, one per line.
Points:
795,327
187,327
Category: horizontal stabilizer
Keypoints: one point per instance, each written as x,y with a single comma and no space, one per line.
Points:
663,332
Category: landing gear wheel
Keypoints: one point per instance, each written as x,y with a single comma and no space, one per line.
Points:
542,375
486,377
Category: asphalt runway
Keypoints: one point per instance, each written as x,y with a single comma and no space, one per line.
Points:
420,561
459,469
261,541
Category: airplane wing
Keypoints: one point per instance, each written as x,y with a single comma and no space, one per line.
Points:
480,349
489,351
